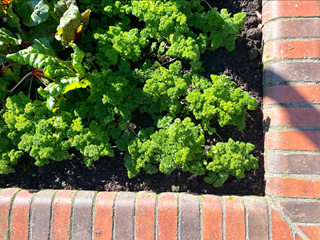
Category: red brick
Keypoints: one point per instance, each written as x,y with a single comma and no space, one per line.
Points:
298,237
293,140
296,117
145,212
189,220
82,215
257,213
234,218
62,214
20,215
279,227
277,9
288,29
293,187
211,218
291,49
103,216
6,197
41,211
124,216
292,94
301,211
290,71
167,216
312,232
292,163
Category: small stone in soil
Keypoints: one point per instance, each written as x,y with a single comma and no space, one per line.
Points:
253,54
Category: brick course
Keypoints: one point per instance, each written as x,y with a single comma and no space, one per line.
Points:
290,209
20,215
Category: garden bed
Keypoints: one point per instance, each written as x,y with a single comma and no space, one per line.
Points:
110,174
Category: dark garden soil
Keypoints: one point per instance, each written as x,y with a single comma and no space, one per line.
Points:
243,66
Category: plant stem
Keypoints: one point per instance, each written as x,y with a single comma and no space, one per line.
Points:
208,4
20,82
30,86
219,136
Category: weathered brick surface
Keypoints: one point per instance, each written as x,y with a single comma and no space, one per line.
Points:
82,215
189,217
293,187
103,215
62,214
297,236
288,29
312,232
20,215
124,216
211,217
234,218
291,49
167,216
292,94
257,214
293,117
292,163
145,215
301,211
290,71
279,227
276,9
6,196
41,214
293,140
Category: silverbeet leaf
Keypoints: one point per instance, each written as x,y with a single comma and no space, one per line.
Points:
33,12
38,55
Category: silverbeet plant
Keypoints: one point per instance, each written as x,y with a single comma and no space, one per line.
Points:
128,58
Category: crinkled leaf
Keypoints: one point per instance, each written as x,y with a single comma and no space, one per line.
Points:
38,55
12,19
72,23
7,37
50,102
71,14
85,20
52,90
57,71
62,6
73,83
33,12
77,58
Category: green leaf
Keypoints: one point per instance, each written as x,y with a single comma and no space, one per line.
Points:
62,6
57,71
13,20
70,15
72,23
50,102
73,83
7,37
46,29
77,58
38,55
33,12
85,20
16,71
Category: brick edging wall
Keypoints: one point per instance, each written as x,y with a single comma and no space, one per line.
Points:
291,207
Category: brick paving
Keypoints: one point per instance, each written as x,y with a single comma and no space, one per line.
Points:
291,207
